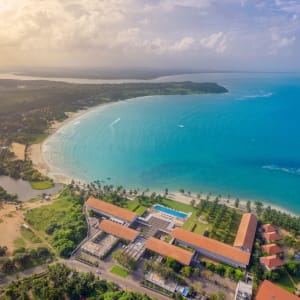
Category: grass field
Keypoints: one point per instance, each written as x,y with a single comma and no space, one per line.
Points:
133,204
18,243
119,271
41,185
28,235
41,217
61,222
286,282
140,210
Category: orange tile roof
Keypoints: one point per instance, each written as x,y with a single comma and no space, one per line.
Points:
118,230
271,249
270,291
272,261
268,228
166,249
272,236
246,232
212,246
110,209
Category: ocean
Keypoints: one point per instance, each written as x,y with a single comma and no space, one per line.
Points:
245,143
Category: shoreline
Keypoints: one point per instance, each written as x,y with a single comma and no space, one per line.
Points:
35,151
35,154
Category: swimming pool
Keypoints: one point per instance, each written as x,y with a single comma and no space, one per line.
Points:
169,211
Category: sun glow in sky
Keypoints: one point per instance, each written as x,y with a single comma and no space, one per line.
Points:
205,34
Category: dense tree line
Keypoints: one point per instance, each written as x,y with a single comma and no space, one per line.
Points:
19,168
60,282
24,258
224,270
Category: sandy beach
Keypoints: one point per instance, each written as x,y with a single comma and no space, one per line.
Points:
35,153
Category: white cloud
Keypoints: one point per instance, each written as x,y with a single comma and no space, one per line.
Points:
282,42
154,32
216,41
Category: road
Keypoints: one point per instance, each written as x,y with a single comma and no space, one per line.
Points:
125,283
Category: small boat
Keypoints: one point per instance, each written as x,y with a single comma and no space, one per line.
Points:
180,125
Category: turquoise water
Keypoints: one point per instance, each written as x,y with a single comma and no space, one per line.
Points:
245,143
171,212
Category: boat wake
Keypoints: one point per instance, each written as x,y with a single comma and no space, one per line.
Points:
293,171
265,95
115,122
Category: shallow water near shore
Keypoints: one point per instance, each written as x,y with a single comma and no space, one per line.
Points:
245,143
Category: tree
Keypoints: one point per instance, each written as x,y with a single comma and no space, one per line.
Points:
181,191
186,271
218,296
258,207
193,202
3,250
237,202
173,264
248,205
125,260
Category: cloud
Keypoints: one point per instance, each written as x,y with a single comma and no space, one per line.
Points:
282,42
203,33
216,41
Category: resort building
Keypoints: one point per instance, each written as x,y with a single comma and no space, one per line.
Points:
271,262
246,232
268,228
271,249
113,212
270,291
212,249
271,237
118,230
168,250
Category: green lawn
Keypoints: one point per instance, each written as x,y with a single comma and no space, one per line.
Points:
140,210
286,283
41,185
179,206
119,271
133,204
28,235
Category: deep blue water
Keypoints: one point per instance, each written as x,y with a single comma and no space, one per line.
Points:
171,212
245,143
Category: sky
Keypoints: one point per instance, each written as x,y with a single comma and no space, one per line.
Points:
197,34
